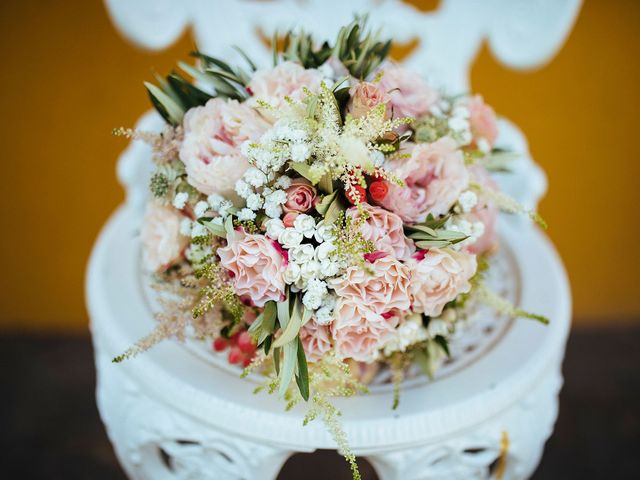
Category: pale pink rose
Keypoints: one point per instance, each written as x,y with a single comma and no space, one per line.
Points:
438,278
213,135
162,243
256,267
359,332
483,120
301,196
485,211
385,230
287,79
365,96
410,95
316,340
382,287
435,175
289,219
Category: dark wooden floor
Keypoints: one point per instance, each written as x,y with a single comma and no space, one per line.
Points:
49,426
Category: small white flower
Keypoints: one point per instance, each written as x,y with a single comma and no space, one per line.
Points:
301,254
467,200
327,70
458,124
185,227
180,200
215,200
438,327
460,111
329,268
272,210
299,152
290,238
477,230
277,197
255,177
329,301
274,228
224,208
324,233
317,286
292,273
246,214
198,230
305,224
324,316
243,189
297,135
311,301
283,182
324,250
201,208
310,269
254,201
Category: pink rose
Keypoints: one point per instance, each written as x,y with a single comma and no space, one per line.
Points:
410,94
435,176
285,80
365,96
162,243
385,287
301,196
485,211
359,332
316,340
438,278
385,230
213,135
255,266
483,121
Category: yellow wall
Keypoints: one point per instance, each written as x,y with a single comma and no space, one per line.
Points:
67,79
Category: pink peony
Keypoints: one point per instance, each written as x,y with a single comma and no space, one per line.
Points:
410,94
385,230
385,287
439,277
213,135
365,96
285,80
256,267
301,196
359,332
162,243
485,211
483,121
316,340
435,176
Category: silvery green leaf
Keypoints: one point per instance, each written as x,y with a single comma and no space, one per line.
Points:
289,363
173,111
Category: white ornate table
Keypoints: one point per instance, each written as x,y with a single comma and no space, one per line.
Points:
180,412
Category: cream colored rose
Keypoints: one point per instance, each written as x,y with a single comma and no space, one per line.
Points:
438,278
213,135
162,243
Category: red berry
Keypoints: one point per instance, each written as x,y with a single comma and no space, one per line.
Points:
247,361
235,356
245,342
356,194
220,344
378,190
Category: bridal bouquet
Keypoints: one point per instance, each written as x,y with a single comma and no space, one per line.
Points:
325,214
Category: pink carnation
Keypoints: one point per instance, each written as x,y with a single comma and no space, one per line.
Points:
359,332
485,211
364,97
483,121
382,287
385,229
316,340
410,94
285,80
435,176
301,196
213,135
255,266
438,278
162,243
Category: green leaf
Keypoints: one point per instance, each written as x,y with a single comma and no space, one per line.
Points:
323,205
246,57
295,322
166,106
189,95
289,362
276,360
229,228
422,359
302,378
214,228
305,170
444,344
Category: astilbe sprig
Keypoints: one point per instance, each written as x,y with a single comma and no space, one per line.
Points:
218,290
350,245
